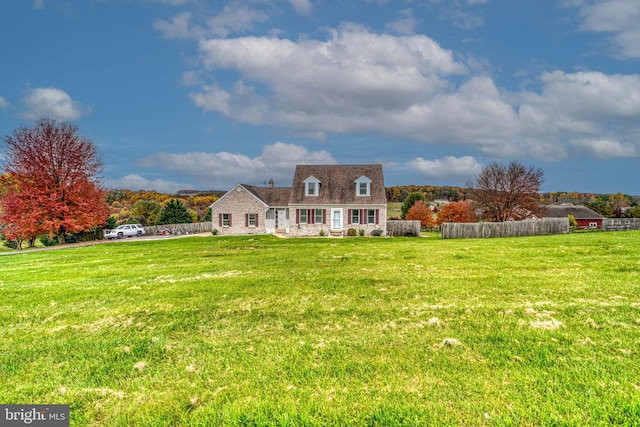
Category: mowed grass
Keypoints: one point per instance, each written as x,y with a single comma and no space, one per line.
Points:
359,331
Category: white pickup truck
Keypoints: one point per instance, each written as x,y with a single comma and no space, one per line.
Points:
125,230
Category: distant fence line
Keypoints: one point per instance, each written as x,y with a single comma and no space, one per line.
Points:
620,224
474,230
403,228
178,229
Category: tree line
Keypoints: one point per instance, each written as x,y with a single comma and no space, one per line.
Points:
154,208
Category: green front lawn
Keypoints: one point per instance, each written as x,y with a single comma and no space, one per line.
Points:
356,331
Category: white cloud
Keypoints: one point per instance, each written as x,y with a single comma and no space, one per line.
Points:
303,7
223,169
447,168
408,87
177,28
52,103
461,13
136,182
602,148
343,83
404,24
38,4
235,17
4,103
619,18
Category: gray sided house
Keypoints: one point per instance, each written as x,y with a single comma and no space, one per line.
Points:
324,199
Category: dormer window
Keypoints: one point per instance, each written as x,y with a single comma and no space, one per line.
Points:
363,186
311,186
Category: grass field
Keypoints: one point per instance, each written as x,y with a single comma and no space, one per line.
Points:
363,331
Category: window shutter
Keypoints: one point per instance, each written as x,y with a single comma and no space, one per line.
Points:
219,220
311,216
349,216
377,216
324,216
246,220
363,216
256,220
229,220
297,216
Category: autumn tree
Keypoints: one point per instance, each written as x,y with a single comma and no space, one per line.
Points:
462,211
422,212
51,182
410,200
506,193
146,212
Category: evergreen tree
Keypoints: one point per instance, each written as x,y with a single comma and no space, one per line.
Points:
174,212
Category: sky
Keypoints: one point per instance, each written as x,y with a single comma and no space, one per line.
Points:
204,94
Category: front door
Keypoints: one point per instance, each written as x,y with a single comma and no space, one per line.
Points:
281,218
336,219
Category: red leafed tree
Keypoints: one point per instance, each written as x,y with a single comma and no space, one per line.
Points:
50,182
420,211
463,211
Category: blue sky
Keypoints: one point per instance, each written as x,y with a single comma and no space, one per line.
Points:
196,94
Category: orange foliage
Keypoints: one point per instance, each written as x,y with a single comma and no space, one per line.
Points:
462,211
421,212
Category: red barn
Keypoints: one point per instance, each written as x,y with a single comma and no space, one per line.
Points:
585,217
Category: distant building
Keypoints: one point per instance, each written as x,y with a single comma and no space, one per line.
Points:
585,217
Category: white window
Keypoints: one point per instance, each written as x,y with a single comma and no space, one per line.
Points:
363,186
371,216
593,224
311,186
226,220
318,216
303,216
252,220
355,216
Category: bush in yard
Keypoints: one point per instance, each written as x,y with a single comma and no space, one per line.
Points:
48,240
361,232
376,232
351,232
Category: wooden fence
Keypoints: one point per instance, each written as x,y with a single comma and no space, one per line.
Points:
474,230
179,229
403,228
620,224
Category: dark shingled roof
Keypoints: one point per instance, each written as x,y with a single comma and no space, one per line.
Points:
578,212
272,196
337,184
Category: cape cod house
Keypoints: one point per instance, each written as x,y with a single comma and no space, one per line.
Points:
323,200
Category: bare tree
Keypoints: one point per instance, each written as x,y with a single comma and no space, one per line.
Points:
507,193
